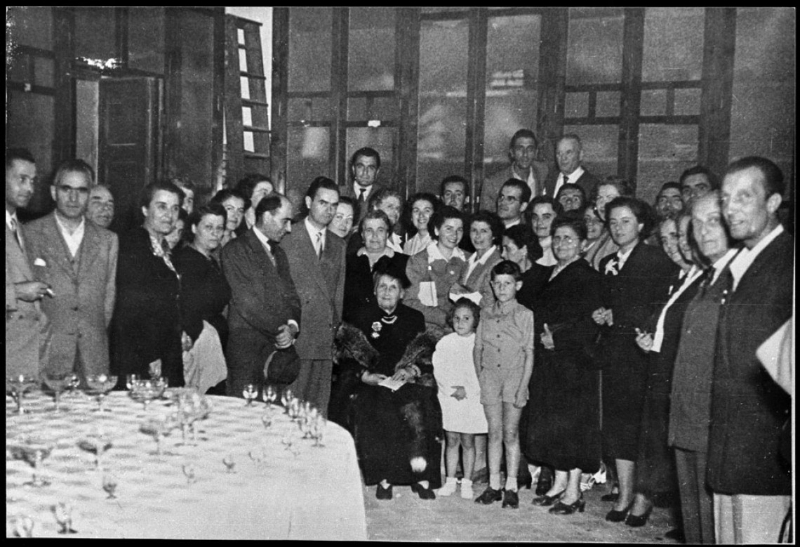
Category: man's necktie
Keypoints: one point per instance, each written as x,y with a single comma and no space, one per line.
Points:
14,229
319,245
363,195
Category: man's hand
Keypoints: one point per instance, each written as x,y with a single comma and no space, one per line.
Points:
372,379
547,338
521,397
186,341
285,336
31,291
644,340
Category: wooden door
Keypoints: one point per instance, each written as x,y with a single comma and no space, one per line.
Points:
128,157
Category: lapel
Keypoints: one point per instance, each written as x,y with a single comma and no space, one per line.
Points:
16,258
633,260
309,256
259,255
89,249
56,247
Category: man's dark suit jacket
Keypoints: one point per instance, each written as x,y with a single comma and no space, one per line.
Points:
263,298
748,409
587,181
347,191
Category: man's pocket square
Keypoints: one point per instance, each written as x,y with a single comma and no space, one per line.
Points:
39,262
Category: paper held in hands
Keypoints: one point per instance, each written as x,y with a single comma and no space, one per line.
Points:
394,385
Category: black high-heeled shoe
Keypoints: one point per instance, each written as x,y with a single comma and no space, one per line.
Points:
562,508
611,496
636,521
618,516
422,492
546,501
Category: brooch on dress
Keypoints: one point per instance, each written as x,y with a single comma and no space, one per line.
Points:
376,329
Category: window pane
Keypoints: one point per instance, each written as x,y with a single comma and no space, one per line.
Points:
764,78
95,36
249,145
244,84
576,105
306,156
673,44
30,26
600,145
442,102
247,116
146,39
30,125
240,36
687,102
512,73
654,102
316,109
310,49
371,49
594,48
242,60
607,104
664,152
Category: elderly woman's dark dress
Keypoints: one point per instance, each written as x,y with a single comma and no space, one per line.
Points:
204,293
392,427
633,295
358,282
146,324
563,428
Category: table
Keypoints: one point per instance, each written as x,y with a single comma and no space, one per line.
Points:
308,492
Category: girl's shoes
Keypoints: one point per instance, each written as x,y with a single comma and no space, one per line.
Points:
636,521
489,496
510,499
561,508
466,489
449,487
546,501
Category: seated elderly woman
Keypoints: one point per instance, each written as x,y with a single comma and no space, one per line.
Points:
436,269
374,254
395,426
203,298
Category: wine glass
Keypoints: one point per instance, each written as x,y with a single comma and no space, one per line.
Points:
250,393
270,395
145,391
97,443
266,419
100,385
57,381
190,471
131,380
158,427
18,384
319,429
294,408
73,385
110,485
230,463
63,513
286,397
33,451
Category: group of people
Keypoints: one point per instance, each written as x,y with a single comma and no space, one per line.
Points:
564,327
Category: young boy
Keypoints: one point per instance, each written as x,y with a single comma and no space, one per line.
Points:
503,358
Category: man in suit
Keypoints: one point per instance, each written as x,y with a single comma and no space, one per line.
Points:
748,473
364,168
27,328
512,202
317,266
524,167
101,206
264,311
569,153
78,260
696,182
454,191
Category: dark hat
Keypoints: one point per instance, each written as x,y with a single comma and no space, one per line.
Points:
282,366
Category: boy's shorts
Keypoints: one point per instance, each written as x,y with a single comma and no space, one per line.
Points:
499,385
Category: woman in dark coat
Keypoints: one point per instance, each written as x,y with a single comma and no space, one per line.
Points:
636,280
146,327
396,432
563,428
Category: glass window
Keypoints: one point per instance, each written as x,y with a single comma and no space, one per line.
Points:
673,44
594,46
371,49
30,26
687,101
307,155
600,145
146,39
313,109
240,36
442,101
249,145
576,105
95,33
244,84
654,102
607,104
247,116
310,49
512,74
665,151
242,60
764,78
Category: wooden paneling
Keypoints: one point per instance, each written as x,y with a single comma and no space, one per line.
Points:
280,89
233,104
552,80
338,100
407,86
476,100
632,53
64,115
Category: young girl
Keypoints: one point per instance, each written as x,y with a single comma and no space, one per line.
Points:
503,358
459,394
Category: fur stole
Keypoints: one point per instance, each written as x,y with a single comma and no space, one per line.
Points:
351,343
419,354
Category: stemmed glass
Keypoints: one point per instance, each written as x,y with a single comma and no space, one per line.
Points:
63,513
250,393
131,380
110,486
97,443
145,391
286,398
74,384
230,463
294,408
158,427
100,385
18,384
270,395
57,381
33,452
319,429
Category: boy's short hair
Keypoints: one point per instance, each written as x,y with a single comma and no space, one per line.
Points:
506,267
464,302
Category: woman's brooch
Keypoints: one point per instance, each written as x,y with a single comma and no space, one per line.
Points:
376,329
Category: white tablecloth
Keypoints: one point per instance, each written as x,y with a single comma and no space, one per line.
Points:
315,495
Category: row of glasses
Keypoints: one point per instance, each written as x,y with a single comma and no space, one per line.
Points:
145,390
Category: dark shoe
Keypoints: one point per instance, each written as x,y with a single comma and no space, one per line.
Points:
637,521
567,509
511,499
611,496
618,516
545,481
422,492
489,496
525,481
383,493
481,475
546,501
676,534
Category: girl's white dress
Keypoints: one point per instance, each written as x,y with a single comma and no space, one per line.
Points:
453,366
